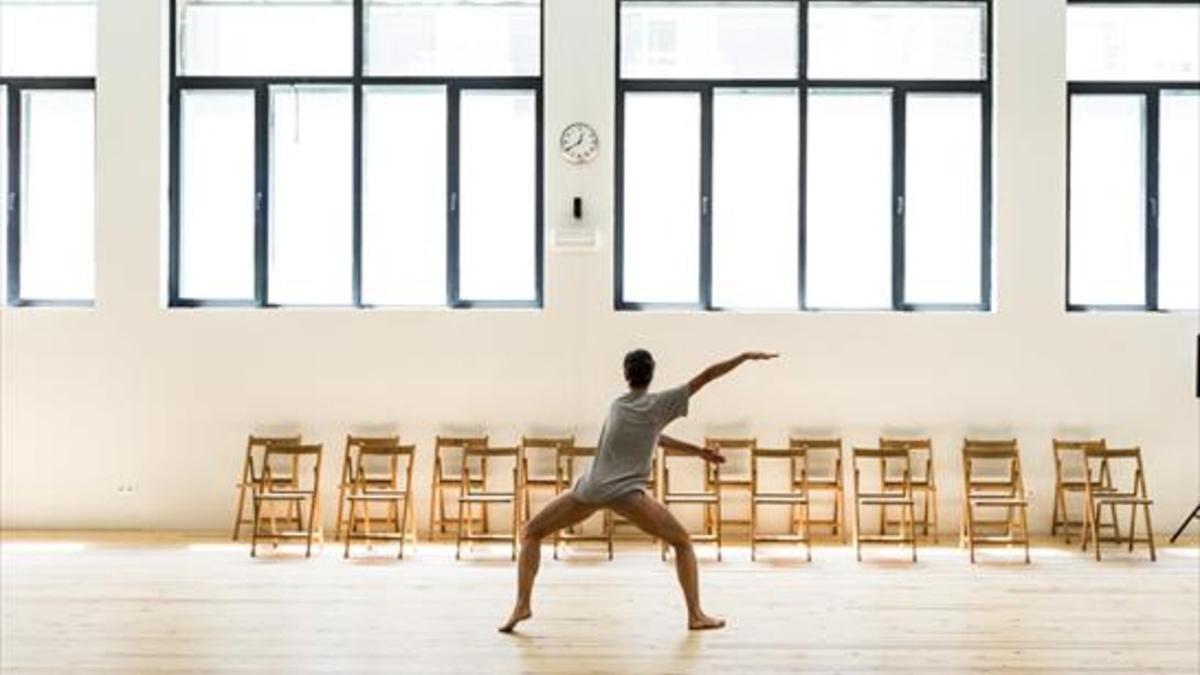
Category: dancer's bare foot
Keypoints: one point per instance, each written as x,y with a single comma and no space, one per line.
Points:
519,614
705,622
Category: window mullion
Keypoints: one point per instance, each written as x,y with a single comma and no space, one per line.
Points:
262,130
14,193
706,200
453,97
1151,173
899,131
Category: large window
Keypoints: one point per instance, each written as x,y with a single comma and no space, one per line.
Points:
1134,159
47,149
803,154
356,153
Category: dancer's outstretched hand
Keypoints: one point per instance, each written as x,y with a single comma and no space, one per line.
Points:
712,456
759,356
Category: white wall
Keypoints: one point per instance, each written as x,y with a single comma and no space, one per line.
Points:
130,392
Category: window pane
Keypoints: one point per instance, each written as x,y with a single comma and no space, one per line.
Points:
216,229
48,38
849,228
892,40
661,194
453,37
58,211
943,193
266,37
311,205
709,39
756,197
1108,201
498,185
1179,201
404,200
1147,42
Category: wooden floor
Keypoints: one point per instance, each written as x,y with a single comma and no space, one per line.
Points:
141,603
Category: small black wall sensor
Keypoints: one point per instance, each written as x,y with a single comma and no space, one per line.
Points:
577,207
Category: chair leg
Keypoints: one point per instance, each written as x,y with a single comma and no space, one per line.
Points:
237,522
1096,531
753,531
1132,526
969,525
255,506
912,525
807,533
857,530
459,533
312,517
1149,532
1025,530
349,530
1054,516
932,494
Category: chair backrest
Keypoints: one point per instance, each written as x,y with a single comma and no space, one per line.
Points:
353,448
822,451
296,455
257,446
886,457
390,453
986,461
483,453
712,470
1069,454
920,450
798,456
564,462
546,442
1106,458
449,453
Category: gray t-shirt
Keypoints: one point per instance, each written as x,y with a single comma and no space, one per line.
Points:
627,442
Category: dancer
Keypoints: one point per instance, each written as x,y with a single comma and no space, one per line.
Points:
618,476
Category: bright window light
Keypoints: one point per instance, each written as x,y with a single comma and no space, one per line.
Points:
1108,200
1179,200
404,196
897,40
47,38
498,195
58,205
1133,42
661,247
709,39
453,37
266,37
311,206
943,198
756,195
849,208
217,206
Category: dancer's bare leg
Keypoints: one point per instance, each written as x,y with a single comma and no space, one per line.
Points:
563,511
654,518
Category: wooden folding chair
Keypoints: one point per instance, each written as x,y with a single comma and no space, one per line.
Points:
727,480
825,452
708,498
532,446
1070,467
923,480
448,464
1098,496
992,479
294,494
367,488
795,498
474,491
900,497
346,482
565,460
252,473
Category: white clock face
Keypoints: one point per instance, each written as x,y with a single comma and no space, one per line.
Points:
579,143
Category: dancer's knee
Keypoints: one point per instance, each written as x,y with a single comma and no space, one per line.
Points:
680,541
531,536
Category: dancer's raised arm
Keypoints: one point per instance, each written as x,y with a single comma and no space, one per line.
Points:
722,367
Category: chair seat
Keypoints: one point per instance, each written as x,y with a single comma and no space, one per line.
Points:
983,500
884,500
780,498
690,497
743,481
818,481
493,497
1124,499
283,496
378,496
914,482
547,481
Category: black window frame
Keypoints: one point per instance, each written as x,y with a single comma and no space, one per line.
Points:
14,87
357,81
900,89
1151,92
